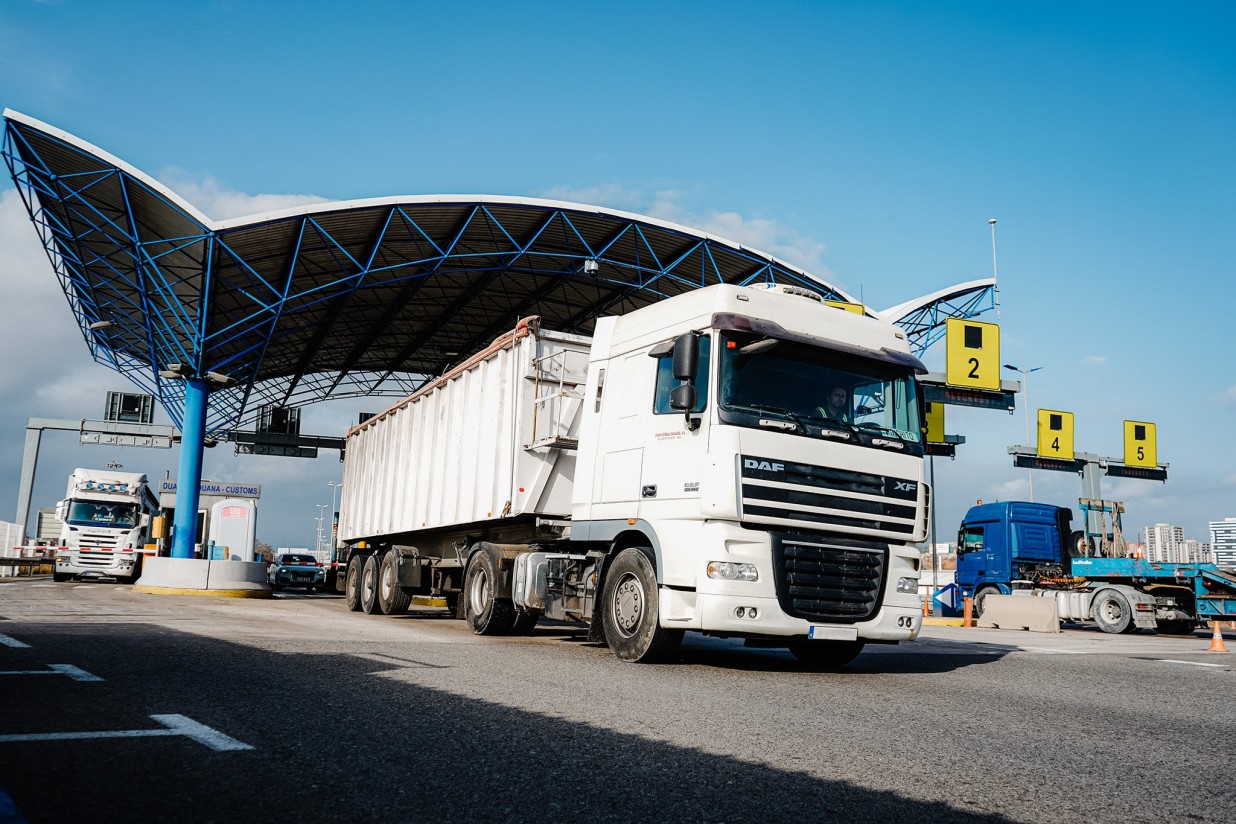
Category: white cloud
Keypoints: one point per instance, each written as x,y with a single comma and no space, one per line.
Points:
1230,395
219,202
755,232
1095,360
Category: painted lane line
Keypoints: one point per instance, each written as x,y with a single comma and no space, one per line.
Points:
1190,663
6,641
1053,651
73,672
174,725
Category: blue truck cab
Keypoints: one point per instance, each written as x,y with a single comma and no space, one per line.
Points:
1003,542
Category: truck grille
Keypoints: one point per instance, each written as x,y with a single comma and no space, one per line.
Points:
104,540
828,579
817,497
102,560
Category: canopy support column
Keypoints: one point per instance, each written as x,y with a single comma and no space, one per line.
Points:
189,474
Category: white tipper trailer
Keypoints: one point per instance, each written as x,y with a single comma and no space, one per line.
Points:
679,470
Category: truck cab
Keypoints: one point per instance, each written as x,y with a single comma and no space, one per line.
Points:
105,519
1001,543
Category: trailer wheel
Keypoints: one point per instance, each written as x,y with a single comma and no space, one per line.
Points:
825,654
486,614
391,597
631,616
1112,612
369,586
352,583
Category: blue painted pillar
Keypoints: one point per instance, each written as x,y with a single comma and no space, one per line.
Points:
189,475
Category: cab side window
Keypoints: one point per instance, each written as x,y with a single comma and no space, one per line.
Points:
971,539
666,381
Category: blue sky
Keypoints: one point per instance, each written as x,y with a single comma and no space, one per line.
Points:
868,142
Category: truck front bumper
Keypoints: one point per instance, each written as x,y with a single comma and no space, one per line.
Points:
751,608
89,564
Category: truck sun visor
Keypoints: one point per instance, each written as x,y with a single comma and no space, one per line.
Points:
730,322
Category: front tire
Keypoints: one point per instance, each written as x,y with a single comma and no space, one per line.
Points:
980,598
391,597
369,586
486,614
1112,612
825,655
352,583
60,577
632,607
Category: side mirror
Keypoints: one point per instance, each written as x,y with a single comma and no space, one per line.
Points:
61,510
145,520
686,357
683,397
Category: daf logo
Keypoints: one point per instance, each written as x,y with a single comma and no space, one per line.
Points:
904,486
767,466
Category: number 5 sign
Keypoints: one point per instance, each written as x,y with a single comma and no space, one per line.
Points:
973,358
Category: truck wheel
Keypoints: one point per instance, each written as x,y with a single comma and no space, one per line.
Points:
631,615
825,654
979,598
352,583
369,586
391,597
525,621
1112,612
486,614
60,577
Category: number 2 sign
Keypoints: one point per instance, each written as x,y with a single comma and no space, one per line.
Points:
973,358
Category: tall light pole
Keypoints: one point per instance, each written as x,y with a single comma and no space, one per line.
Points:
995,277
1025,389
321,515
334,488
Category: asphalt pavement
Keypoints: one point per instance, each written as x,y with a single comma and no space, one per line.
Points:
117,705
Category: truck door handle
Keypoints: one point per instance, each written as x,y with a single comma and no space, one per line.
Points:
649,491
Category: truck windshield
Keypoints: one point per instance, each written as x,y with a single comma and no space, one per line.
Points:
98,513
816,391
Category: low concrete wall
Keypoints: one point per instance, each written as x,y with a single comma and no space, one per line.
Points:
1020,612
193,576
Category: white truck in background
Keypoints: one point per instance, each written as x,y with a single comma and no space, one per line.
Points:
105,519
679,470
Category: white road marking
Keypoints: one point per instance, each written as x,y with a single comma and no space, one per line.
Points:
1052,650
173,725
73,672
1190,663
6,641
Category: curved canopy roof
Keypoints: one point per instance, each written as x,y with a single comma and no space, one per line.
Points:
337,299
923,318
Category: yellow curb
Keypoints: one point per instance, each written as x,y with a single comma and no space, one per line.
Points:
942,622
217,593
426,601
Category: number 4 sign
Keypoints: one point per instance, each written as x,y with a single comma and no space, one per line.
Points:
1055,434
973,358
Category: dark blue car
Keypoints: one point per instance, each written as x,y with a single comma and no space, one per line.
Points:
296,571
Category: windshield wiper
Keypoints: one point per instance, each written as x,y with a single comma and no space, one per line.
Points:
776,410
903,441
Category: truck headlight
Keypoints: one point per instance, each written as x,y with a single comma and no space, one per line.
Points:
729,571
907,585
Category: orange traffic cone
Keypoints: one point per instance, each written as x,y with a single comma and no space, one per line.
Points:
1216,639
967,613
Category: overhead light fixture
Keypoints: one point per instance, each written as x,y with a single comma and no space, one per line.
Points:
591,266
174,371
100,325
218,378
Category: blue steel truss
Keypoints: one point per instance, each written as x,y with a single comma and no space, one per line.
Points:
340,299
923,319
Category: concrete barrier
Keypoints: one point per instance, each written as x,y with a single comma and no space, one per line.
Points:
193,576
1020,612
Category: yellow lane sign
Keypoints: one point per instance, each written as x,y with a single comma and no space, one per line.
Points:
1140,444
1055,434
973,354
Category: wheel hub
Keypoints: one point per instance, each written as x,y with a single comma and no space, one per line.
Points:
628,604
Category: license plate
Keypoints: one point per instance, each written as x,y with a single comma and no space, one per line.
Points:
833,634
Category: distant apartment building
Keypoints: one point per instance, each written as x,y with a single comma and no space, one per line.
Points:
1193,552
1223,542
1162,542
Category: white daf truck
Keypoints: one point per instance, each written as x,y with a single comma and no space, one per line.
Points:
680,470
105,519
